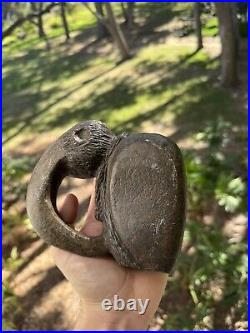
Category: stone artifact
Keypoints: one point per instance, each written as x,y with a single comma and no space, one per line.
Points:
140,195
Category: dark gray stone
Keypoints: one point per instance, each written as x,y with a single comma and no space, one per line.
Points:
140,195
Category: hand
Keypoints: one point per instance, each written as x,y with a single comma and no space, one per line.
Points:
96,279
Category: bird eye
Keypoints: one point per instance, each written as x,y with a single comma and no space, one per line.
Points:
82,135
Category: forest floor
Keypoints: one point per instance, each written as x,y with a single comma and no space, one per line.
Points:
167,87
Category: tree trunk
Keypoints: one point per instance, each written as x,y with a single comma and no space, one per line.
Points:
130,14
41,32
235,25
102,31
124,11
116,33
6,6
197,24
228,35
64,20
33,6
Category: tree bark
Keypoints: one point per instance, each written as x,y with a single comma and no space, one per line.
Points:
6,6
198,25
102,30
235,25
41,32
116,33
130,14
228,35
64,20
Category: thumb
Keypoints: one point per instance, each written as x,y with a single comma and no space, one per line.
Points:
68,212
69,209
92,227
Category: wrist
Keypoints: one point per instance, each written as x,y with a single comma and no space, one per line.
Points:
93,317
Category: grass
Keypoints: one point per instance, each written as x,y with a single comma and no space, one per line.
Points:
210,28
215,275
78,19
54,90
166,87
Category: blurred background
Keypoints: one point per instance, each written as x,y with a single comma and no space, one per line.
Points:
138,67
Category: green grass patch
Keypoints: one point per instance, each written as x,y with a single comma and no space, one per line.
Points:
78,17
210,28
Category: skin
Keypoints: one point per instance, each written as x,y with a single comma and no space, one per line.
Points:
95,279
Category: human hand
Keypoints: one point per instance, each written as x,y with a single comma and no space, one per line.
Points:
96,279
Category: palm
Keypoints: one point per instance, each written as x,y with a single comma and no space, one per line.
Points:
95,279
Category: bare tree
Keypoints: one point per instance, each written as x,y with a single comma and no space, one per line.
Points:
29,17
235,24
117,34
6,8
36,8
228,35
128,13
102,30
114,29
64,20
41,32
198,25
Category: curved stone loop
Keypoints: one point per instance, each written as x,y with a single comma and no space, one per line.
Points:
77,153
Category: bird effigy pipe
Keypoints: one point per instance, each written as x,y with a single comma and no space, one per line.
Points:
140,195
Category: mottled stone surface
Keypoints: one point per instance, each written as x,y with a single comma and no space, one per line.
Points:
77,153
140,195
141,199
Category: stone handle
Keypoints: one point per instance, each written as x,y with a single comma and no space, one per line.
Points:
77,153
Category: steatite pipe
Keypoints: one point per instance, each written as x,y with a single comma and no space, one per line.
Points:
140,195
